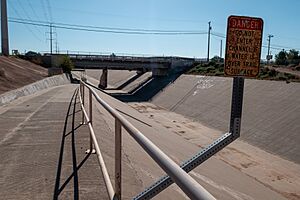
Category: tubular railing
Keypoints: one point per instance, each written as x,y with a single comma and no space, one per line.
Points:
189,186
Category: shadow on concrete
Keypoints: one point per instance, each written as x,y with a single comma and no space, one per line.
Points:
127,82
70,118
148,90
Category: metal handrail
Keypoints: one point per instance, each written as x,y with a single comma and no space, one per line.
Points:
189,186
109,187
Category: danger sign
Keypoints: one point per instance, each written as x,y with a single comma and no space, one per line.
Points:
243,46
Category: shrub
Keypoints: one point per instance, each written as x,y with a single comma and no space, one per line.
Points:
272,72
66,64
289,76
210,69
280,76
211,63
219,73
264,76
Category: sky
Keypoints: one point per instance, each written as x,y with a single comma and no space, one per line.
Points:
281,19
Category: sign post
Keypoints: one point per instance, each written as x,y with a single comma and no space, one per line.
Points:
242,59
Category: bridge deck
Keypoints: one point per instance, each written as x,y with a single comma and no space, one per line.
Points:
43,150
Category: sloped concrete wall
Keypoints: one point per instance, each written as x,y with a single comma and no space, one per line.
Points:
271,112
34,87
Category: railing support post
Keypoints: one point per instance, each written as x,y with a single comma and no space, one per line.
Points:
118,159
80,89
91,117
82,97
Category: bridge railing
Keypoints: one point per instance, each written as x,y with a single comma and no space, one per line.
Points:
118,58
189,186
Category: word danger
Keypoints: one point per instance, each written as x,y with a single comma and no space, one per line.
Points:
245,23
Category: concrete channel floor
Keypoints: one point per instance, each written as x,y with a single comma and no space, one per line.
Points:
42,147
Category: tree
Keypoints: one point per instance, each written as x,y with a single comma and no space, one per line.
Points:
281,58
66,64
32,54
293,57
217,59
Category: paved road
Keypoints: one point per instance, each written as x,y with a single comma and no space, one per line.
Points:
41,157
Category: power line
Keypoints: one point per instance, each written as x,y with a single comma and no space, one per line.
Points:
27,27
107,29
125,16
45,11
285,47
125,30
49,9
274,46
27,15
33,10
220,35
110,28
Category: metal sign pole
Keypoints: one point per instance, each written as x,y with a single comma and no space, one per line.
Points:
236,106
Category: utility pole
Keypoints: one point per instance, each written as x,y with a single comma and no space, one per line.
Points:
209,28
221,46
4,29
56,46
269,41
51,39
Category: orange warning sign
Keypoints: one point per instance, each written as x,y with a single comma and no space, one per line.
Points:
243,46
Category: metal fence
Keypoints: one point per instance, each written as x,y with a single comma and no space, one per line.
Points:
188,185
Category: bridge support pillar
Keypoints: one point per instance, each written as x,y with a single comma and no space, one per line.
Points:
160,72
103,79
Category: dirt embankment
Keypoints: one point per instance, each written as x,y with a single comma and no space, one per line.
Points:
15,73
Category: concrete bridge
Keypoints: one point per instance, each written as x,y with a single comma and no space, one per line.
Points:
159,66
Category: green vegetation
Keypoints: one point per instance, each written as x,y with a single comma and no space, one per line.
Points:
66,64
272,74
216,68
212,69
286,58
31,56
